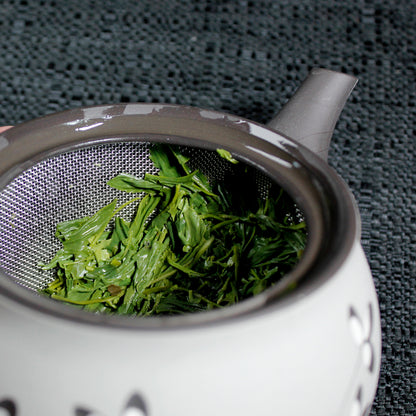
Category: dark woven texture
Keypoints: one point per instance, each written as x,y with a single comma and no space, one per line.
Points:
247,57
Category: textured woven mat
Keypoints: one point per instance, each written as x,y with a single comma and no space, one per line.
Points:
247,57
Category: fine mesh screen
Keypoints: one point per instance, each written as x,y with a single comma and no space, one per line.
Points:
73,185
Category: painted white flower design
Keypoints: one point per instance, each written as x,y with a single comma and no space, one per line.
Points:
357,405
361,330
134,407
8,407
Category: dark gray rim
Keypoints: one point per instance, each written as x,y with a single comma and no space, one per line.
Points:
327,203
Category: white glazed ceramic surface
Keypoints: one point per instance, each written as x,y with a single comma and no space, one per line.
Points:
283,362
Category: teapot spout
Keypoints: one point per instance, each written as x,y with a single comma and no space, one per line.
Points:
310,116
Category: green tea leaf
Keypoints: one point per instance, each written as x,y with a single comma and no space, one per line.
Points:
191,246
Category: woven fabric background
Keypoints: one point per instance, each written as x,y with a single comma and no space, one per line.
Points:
247,57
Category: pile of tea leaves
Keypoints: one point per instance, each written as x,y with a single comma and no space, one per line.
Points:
191,245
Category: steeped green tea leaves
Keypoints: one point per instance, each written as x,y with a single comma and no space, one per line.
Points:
191,245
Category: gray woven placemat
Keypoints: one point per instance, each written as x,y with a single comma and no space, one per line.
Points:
247,57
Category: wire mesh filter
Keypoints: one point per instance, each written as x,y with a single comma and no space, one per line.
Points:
73,185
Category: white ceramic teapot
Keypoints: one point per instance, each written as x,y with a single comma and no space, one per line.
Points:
313,350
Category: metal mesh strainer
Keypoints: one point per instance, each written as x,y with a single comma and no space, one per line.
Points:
73,185
56,168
